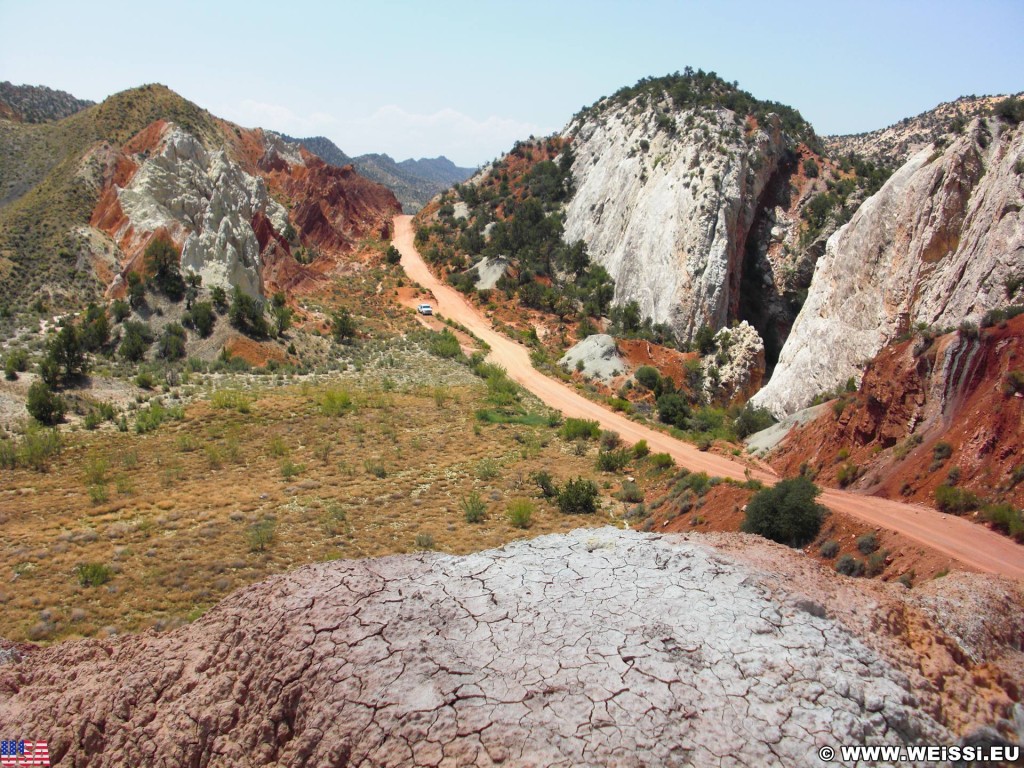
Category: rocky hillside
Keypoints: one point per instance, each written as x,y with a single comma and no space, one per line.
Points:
593,648
89,193
414,182
895,144
37,103
937,419
941,243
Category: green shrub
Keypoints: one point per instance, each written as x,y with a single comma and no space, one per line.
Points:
575,429
135,342
172,343
941,451
847,474
613,461
445,345
375,468
673,409
520,513
876,562
662,461
246,314
1006,518
260,535
849,566
867,543
231,399
698,483
487,469
149,419
829,549
473,508
392,255
335,402
343,327
37,447
202,318
547,486
641,449
424,542
956,501
647,376
752,419
120,309
43,405
578,497
334,520
93,574
631,493
786,513
145,380
290,469
163,263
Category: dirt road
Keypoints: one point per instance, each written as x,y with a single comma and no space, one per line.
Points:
972,545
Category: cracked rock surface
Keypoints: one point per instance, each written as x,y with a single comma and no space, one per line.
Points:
595,648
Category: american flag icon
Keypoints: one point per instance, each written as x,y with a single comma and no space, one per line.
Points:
24,753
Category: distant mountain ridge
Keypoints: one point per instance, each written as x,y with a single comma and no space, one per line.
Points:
37,103
414,182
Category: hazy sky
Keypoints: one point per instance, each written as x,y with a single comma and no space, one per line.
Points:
466,79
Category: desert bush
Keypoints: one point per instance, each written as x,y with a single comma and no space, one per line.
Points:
231,399
848,565
647,376
547,486
641,449
473,508
43,405
445,345
290,469
424,541
829,549
246,314
135,342
375,468
673,409
867,543
37,447
613,461
334,520
752,419
520,513
93,574
941,451
261,534
487,469
786,513
343,327
954,500
662,461
631,493
576,429
202,318
847,474
171,345
145,380
149,419
610,440
876,562
578,496
335,402
1006,518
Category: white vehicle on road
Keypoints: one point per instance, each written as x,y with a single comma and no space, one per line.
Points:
425,309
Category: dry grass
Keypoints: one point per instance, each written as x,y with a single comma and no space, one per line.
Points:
174,519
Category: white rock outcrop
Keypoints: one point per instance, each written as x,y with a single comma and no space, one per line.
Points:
936,245
666,211
734,371
599,356
208,201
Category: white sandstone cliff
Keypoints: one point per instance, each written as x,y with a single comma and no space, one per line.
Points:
667,211
936,245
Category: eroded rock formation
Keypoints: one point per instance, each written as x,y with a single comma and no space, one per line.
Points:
667,212
939,244
594,648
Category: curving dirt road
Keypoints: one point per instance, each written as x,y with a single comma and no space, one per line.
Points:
970,544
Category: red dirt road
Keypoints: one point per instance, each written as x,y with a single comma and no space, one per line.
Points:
970,544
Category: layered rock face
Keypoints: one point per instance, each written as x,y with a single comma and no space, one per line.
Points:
594,648
667,214
936,245
219,206
734,372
